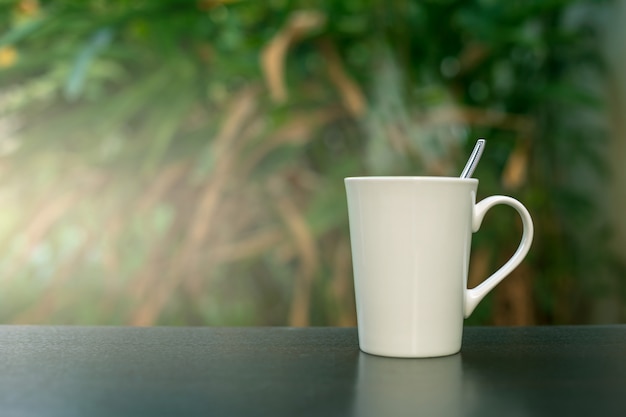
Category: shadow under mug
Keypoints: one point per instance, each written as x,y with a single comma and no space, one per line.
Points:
411,239
397,387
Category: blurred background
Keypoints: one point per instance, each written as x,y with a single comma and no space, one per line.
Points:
171,162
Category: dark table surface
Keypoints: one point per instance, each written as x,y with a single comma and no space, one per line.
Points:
168,371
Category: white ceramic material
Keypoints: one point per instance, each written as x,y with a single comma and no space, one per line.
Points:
411,239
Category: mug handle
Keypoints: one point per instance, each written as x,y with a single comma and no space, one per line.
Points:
474,295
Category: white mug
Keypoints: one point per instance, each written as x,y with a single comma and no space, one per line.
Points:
411,239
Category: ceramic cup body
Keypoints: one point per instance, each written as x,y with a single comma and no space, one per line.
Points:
411,239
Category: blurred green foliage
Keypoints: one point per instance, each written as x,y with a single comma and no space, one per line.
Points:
182,162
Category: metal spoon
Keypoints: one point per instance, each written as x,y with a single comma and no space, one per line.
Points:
472,162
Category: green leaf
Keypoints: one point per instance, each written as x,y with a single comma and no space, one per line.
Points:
21,31
76,80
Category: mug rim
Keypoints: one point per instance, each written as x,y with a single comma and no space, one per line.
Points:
412,178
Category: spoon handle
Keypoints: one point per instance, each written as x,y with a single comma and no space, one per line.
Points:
470,166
